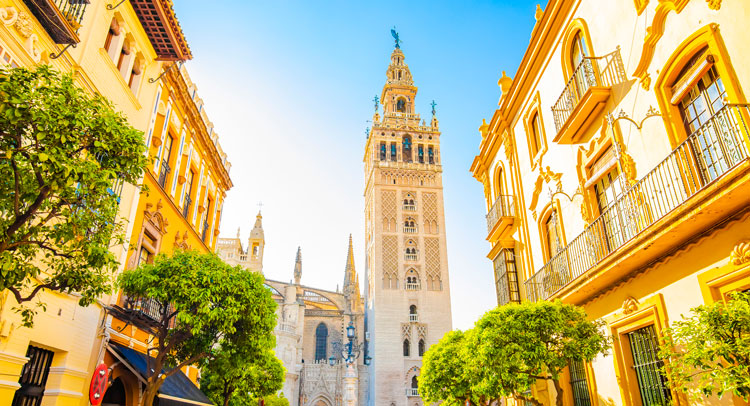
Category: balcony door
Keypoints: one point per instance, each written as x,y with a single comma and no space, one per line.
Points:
709,126
614,212
556,275
578,54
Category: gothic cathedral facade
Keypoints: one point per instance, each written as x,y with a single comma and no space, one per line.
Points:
407,293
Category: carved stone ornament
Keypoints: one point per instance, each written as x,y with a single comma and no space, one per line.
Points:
630,305
740,254
547,176
8,15
155,217
23,24
181,243
714,4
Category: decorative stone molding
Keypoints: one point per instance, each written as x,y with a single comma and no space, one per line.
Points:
156,217
630,305
740,254
181,243
714,4
545,176
406,331
653,35
23,24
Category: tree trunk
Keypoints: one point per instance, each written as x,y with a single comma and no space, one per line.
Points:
152,389
559,390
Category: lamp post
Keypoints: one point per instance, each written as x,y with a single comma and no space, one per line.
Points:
350,352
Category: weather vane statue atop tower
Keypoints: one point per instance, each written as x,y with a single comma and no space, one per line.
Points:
376,99
433,104
395,37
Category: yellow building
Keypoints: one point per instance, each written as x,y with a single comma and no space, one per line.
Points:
116,49
617,177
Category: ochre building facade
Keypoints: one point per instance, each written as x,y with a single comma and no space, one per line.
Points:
616,175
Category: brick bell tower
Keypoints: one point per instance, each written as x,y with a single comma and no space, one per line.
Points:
407,294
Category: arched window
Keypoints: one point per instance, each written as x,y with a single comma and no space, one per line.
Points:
410,226
413,316
411,251
401,103
412,280
578,49
409,202
536,133
413,309
420,347
406,151
414,383
321,342
406,348
552,237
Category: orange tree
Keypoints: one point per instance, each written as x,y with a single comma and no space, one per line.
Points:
62,151
205,305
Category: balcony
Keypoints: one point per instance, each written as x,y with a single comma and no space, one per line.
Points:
145,313
412,285
413,318
60,18
410,257
500,217
410,230
700,183
585,95
410,207
411,392
287,328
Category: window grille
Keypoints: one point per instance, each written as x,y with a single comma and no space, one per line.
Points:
578,384
506,277
647,365
33,377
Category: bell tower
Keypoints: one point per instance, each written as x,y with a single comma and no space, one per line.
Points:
255,244
407,295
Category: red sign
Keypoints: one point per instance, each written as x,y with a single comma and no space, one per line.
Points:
98,384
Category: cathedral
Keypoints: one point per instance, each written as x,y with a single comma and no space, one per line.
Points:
338,347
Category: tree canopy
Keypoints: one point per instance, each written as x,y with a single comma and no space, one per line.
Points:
709,351
509,349
62,154
202,302
236,377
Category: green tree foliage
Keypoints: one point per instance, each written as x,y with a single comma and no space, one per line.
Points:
274,400
445,377
204,302
709,352
509,349
61,152
236,377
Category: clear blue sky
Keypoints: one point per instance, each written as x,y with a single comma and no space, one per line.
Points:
289,84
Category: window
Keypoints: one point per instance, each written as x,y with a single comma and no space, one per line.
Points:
578,384
33,377
393,151
406,150
535,136
167,153
113,40
607,190
420,347
578,49
321,342
430,155
206,221
409,202
556,273
420,154
135,76
552,235
401,103
411,251
410,226
647,366
506,277
390,281
412,280
147,251
413,316
382,151
406,348
187,197
122,59
414,382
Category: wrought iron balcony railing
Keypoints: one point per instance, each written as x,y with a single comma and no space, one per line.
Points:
146,312
504,206
60,18
705,155
603,71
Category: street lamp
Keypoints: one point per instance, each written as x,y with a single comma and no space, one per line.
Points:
350,331
331,361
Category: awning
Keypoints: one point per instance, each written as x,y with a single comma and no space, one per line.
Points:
177,389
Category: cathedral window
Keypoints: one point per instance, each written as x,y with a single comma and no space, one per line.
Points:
430,155
401,103
406,348
420,154
409,204
321,342
393,151
406,151
420,347
382,151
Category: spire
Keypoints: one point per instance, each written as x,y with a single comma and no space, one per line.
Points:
351,280
298,266
257,232
256,244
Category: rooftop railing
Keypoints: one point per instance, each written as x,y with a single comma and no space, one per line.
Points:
703,157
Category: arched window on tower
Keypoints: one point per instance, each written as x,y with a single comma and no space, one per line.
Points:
393,151
420,154
411,251
410,226
406,348
412,280
430,155
406,150
409,204
413,316
401,102
420,349
382,151
321,342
